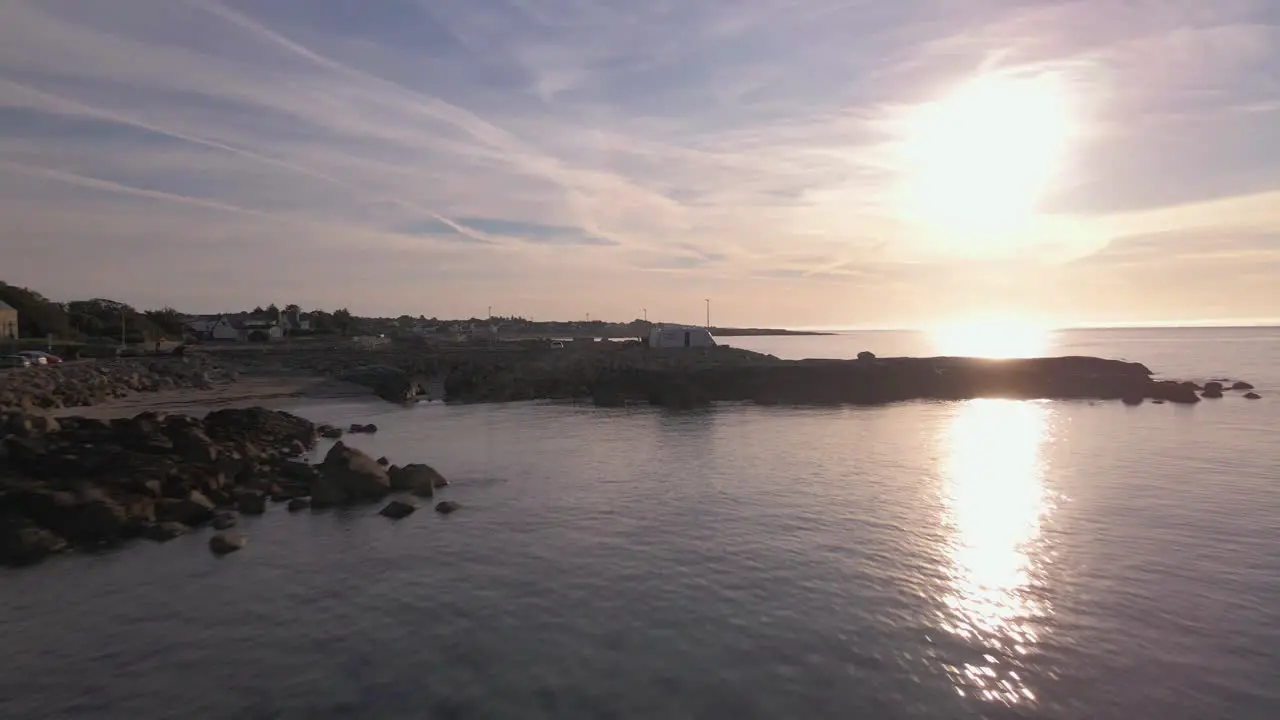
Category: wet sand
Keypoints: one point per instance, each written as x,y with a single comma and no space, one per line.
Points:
245,392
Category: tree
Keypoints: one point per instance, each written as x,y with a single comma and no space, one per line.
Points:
168,321
103,317
273,312
342,320
37,315
292,309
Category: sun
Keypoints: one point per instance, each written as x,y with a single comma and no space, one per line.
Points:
993,337
977,163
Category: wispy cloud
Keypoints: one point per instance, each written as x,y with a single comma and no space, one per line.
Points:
656,152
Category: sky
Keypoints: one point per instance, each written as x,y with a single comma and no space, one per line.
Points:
798,162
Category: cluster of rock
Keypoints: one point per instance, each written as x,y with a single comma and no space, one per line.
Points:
84,483
78,384
1186,393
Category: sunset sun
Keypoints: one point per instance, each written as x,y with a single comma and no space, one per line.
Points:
978,161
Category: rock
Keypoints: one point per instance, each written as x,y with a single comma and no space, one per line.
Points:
224,520
383,461
347,476
1211,393
1252,396
397,509
444,507
866,355
1213,386
1241,385
298,504
226,542
295,471
85,518
417,478
165,531
259,426
358,428
1132,399
22,542
251,502
329,431
1175,392
194,509
193,444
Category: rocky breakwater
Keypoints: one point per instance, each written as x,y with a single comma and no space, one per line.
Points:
875,381
91,382
80,483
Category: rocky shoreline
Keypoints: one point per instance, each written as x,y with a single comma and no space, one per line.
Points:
92,382
606,374
84,484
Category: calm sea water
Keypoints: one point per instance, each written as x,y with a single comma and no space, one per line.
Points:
969,559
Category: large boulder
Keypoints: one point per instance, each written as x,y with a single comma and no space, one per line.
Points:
22,542
348,475
194,509
226,542
86,517
251,502
416,478
165,531
192,443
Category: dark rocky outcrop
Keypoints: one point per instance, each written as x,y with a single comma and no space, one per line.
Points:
82,483
1252,396
1241,385
358,428
397,509
446,507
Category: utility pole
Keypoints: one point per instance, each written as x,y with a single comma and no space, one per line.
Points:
490,312
708,313
645,311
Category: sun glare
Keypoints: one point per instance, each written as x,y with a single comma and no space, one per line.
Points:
992,338
979,161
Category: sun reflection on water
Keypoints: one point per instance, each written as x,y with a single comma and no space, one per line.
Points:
995,502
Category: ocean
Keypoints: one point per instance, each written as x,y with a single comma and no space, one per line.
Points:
928,559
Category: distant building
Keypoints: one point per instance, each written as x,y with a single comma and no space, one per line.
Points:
670,336
237,328
8,321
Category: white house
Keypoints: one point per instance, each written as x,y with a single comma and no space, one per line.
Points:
213,327
669,336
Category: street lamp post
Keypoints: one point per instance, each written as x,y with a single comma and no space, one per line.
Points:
708,313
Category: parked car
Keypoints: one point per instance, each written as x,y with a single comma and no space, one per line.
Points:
39,357
14,361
